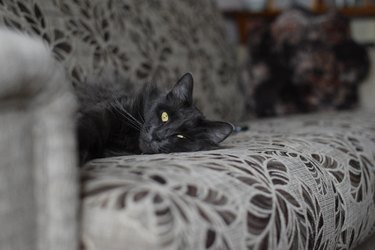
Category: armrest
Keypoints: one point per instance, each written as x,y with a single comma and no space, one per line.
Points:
38,172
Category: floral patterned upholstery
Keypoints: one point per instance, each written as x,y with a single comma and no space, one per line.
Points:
137,41
296,183
305,182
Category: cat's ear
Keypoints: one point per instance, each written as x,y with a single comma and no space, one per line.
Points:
183,89
217,131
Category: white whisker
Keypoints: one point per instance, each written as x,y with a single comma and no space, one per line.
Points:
120,107
131,121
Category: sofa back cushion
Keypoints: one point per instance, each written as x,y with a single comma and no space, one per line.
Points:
137,41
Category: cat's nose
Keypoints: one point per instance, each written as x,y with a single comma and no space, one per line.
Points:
157,136
147,137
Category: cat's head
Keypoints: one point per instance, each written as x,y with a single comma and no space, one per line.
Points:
173,124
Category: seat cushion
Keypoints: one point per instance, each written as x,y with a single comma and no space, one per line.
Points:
302,182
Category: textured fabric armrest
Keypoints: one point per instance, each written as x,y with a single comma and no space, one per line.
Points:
38,175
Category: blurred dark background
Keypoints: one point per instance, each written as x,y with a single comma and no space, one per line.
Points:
304,55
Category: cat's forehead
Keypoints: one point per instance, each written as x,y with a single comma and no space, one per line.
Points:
185,118
184,114
190,112
174,105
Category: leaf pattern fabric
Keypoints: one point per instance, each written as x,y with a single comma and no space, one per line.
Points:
295,183
303,182
133,42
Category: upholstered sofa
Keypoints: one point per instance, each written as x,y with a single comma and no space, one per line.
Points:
298,182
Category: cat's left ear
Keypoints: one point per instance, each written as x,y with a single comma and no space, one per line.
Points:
217,131
183,90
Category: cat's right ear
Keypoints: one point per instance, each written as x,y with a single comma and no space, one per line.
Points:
183,90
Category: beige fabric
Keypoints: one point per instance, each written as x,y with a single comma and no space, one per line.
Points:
132,42
302,183
38,176
305,182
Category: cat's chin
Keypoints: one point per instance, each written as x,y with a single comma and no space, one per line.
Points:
149,147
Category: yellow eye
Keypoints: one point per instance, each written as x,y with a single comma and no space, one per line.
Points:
181,136
164,117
